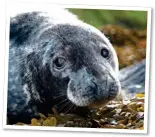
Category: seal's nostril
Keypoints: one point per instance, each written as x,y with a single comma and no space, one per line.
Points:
94,87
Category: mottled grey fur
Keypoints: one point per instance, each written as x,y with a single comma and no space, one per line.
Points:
34,85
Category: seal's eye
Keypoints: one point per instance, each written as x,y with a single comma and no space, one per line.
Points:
105,53
59,62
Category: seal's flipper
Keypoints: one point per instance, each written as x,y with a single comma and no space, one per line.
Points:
132,78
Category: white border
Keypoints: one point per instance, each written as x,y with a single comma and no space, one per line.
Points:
5,126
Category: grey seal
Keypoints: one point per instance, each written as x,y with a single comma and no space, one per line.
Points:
57,60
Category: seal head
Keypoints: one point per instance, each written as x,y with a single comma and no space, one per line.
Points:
88,60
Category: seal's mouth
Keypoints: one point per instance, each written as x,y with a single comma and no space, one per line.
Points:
101,103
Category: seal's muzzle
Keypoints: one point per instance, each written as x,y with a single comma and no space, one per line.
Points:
86,89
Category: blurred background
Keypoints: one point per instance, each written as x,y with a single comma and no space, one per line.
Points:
125,29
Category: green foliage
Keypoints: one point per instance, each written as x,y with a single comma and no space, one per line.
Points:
126,18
